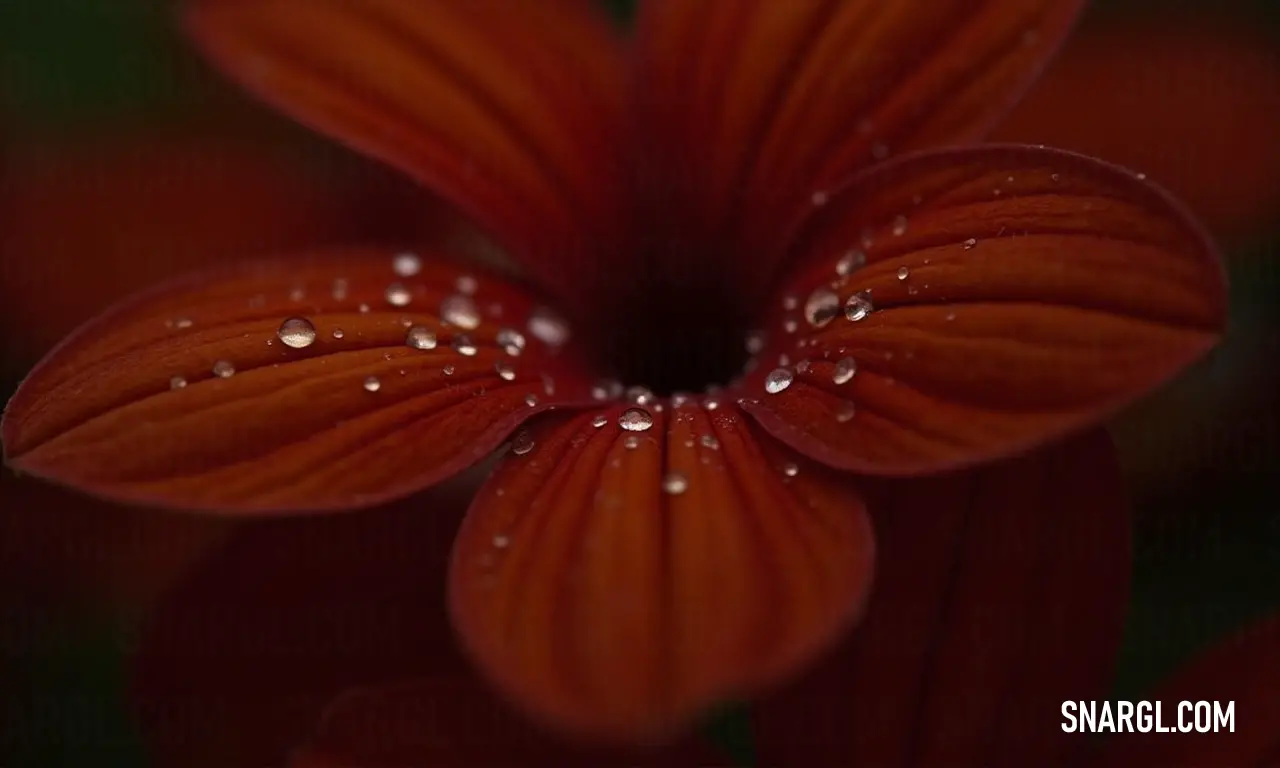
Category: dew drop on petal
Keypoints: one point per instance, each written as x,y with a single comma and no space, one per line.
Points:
599,421
777,380
899,225
755,342
640,396
790,326
460,311
531,400
522,444
858,307
182,322
501,542
339,289
372,384
296,332
177,382
802,366
821,307
970,243
903,272
548,327
466,284
419,337
606,389
710,441
511,341
631,442
406,264
448,370
851,262
790,302
635,420
845,414
844,371
338,333
463,345
675,483
397,295
505,371
224,369
790,469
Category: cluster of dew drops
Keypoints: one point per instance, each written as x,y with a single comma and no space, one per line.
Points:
458,310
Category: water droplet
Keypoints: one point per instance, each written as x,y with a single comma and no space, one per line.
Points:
522,444
548,384
903,272
790,302
338,333
339,289
1055,177
180,322
899,225
846,412
790,469
177,382
784,360
777,380
364,309
640,396
500,541
397,295
819,198
599,421
406,264
950,316
224,369
755,342
858,306
466,284
372,384
631,442
460,311
531,400
970,243
296,332
851,262
297,294
802,366
606,389
511,341
675,483
448,370
505,372
844,371
635,420
711,404
463,345
548,327
419,337
821,307
710,441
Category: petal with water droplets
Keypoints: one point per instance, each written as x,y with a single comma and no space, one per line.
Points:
1000,593
1011,295
518,130
617,582
765,105
189,396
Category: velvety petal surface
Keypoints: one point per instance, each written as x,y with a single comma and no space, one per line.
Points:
999,593
954,307
326,381
508,110
758,105
1245,670
458,721
616,582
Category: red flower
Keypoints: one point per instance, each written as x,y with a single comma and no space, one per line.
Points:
638,557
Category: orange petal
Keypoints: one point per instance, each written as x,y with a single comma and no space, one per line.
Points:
616,583
194,395
1243,670
766,103
1191,98
458,722
999,593
519,131
1009,296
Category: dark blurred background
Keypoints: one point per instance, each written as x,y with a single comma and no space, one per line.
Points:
124,160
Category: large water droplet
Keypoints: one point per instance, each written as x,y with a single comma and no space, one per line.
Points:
548,327
823,305
675,483
522,444
397,295
372,384
845,368
635,420
460,311
406,264
858,306
505,372
419,337
511,341
463,345
777,380
224,369
297,332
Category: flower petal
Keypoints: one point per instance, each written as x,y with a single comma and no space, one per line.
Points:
1243,670
999,593
519,132
456,722
1009,295
766,103
189,396
616,583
